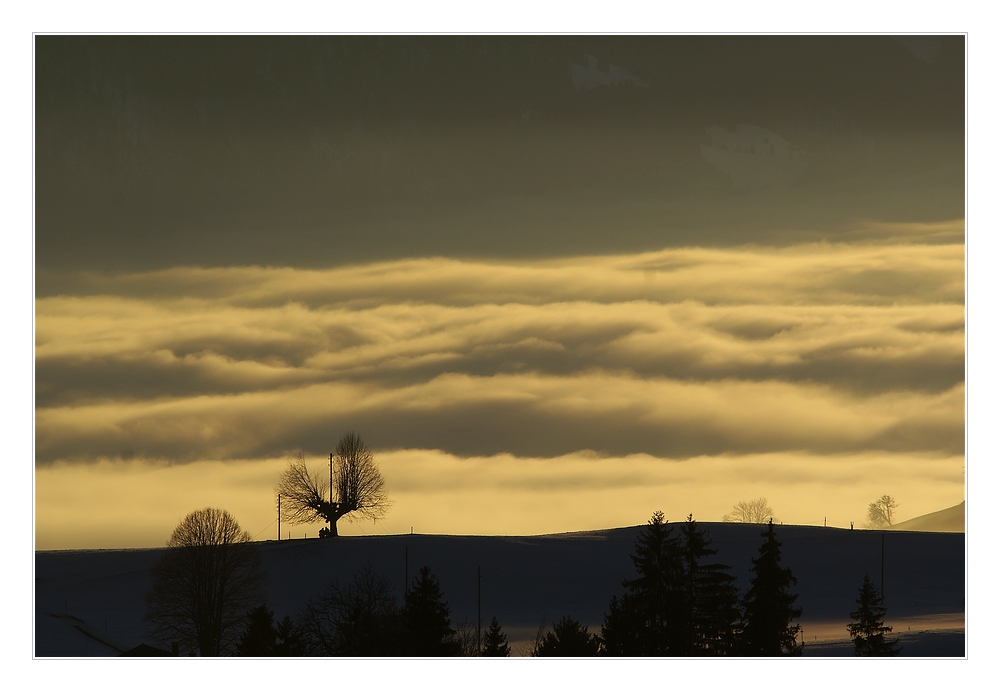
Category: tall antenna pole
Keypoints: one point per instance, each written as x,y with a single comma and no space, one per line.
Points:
331,492
882,588
479,608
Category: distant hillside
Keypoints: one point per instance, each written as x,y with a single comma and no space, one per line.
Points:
91,602
951,520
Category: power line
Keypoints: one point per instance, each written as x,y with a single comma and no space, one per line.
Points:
263,530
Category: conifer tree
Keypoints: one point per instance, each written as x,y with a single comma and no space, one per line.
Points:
290,641
768,609
711,599
621,634
868,628
648,620
427,619
495,641
262,638
568,638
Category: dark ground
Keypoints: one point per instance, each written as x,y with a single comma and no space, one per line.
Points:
526,581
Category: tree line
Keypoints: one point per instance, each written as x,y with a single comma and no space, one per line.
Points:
206,597
683,603
206,594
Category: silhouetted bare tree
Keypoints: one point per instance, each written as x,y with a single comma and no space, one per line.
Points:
357,487
880,512
359,619
751,512
204,584
465,635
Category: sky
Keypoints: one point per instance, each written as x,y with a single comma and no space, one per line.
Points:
555,282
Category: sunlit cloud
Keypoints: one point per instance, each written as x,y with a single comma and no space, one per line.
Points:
545,306
819,352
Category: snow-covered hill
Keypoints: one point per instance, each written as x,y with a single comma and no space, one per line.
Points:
951,519
91,602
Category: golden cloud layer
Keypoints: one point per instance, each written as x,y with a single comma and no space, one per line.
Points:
826,353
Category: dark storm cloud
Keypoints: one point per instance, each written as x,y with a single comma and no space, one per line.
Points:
522,415
314,151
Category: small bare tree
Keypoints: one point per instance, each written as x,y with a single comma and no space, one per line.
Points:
353,488
204,584
751,512
880,512
360,618
465,635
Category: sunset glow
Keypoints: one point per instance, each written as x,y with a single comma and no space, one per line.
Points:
555,283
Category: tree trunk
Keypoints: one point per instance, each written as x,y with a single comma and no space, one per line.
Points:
333,513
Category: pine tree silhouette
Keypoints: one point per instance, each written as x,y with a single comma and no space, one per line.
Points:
289,640
568,638
649,619
262,638
622,632
768,610
495,641
868,628
427,619
259,638
712,613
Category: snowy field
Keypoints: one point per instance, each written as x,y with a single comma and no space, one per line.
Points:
91,602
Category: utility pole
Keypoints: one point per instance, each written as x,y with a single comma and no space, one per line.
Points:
882,587
331,493
279,516
479,606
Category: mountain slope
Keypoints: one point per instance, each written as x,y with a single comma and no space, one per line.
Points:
951,520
